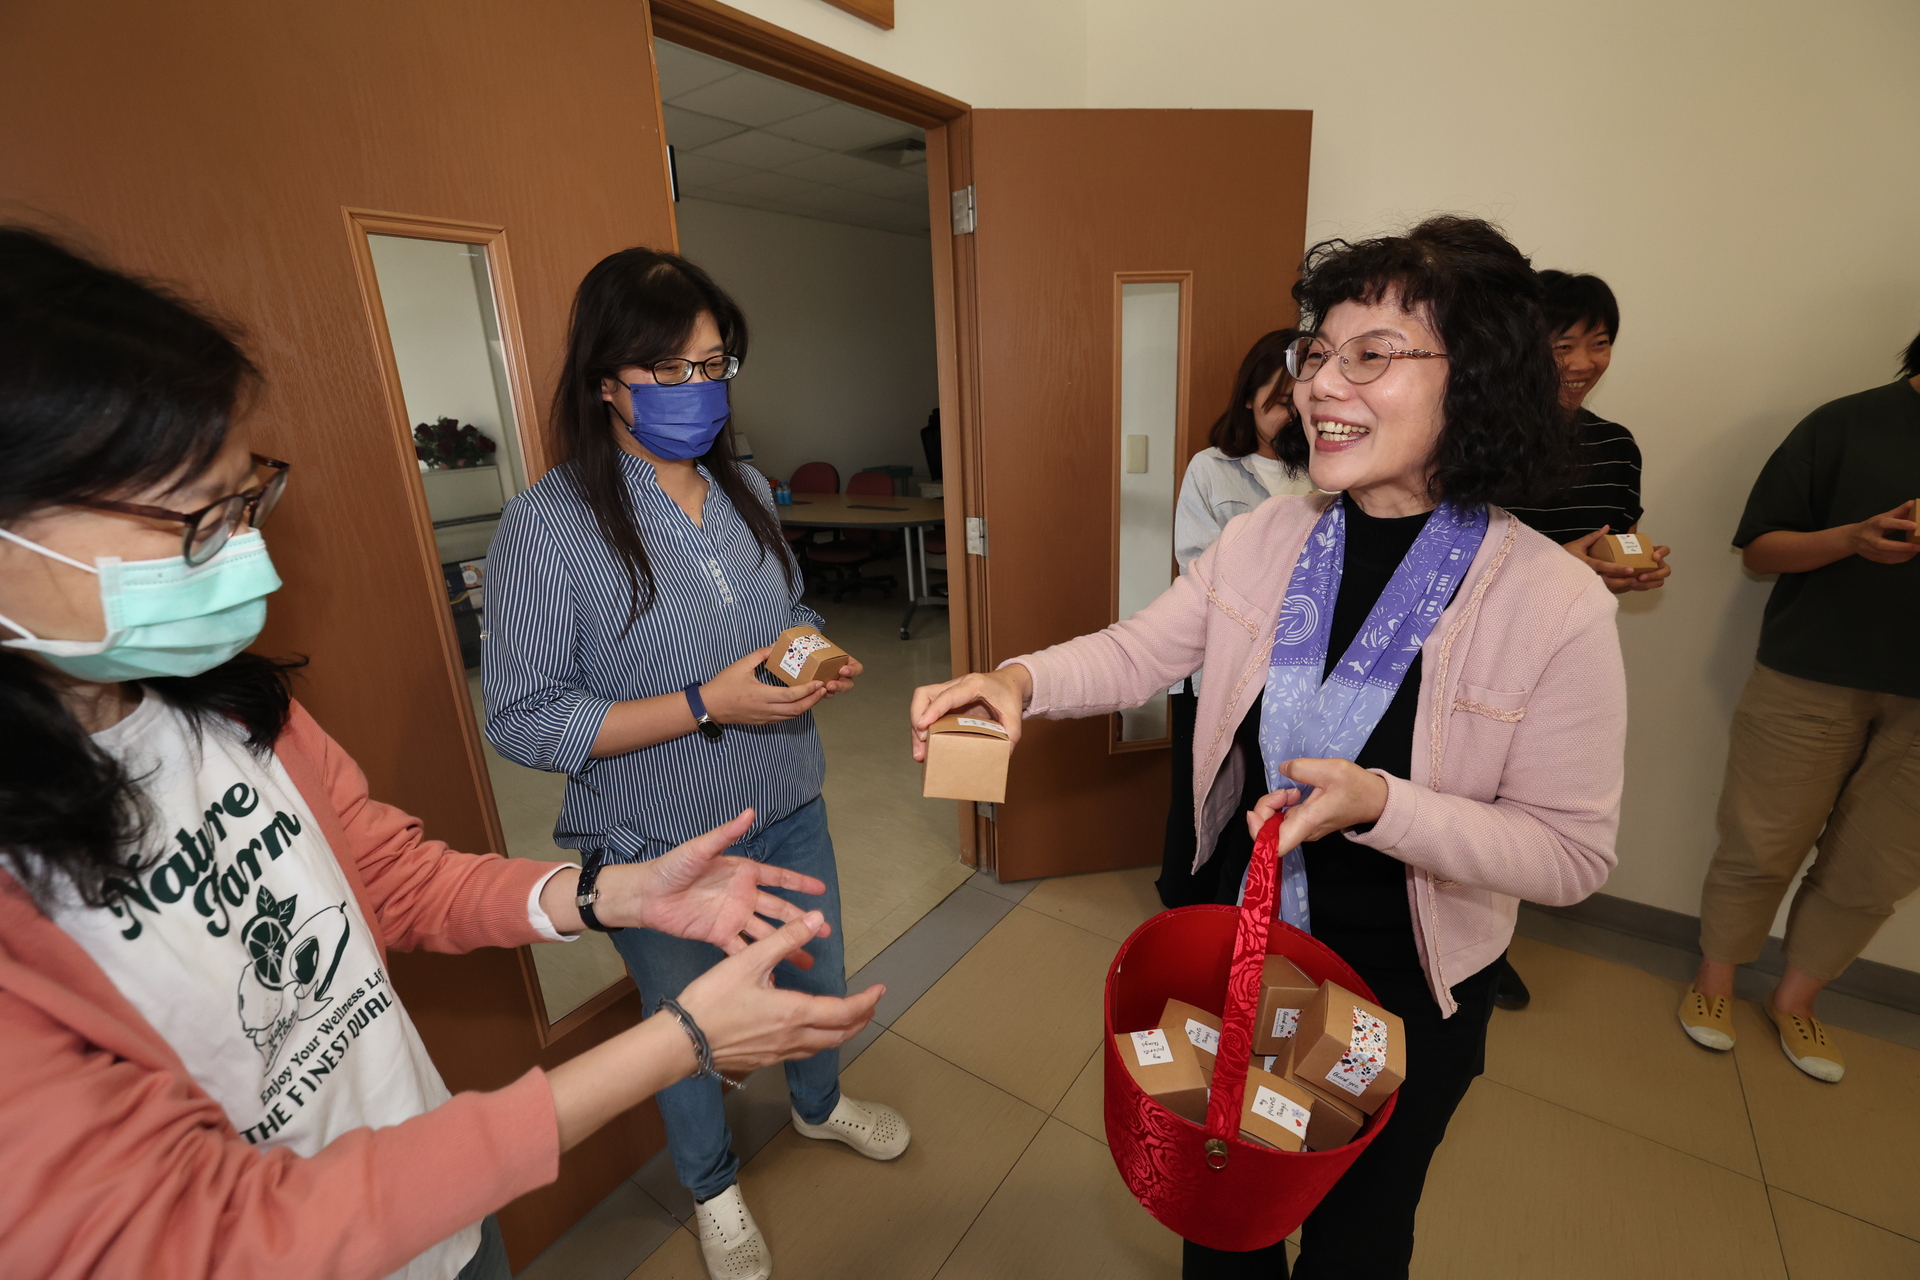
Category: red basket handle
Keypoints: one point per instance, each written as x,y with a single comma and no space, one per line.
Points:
1243,994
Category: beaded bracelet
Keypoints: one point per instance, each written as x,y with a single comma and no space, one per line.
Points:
701,1049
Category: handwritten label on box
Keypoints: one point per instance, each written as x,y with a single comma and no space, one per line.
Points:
1630,544
1289,1115
1151,1048
972,723
1204,1037
1285,1023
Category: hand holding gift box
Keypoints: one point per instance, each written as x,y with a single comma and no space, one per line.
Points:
802,655
967,757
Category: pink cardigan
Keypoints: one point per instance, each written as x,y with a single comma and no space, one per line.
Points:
117,1164
1523,719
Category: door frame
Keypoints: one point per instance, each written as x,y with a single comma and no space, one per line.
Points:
724,32
536,457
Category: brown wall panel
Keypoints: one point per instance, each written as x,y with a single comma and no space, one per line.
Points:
215,145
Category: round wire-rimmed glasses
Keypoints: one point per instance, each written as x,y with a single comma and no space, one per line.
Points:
671,373
1361,359
208,529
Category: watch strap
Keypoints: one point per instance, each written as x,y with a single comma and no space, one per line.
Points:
586,892
709,727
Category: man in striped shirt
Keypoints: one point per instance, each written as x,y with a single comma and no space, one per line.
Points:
1604,495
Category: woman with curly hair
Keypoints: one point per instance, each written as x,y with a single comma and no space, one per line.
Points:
1430,689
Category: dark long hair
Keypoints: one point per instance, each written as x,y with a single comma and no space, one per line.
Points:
107,385
1234,433
1910,359
1503,438
635,307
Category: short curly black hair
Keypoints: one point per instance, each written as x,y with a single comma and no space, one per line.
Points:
1504,438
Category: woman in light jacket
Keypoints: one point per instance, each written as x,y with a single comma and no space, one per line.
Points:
1432,690
204,1069
1237,471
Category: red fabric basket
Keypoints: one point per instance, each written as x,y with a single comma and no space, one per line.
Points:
1205,1183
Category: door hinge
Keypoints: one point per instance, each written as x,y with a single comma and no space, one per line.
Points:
987,809
963,214
976,535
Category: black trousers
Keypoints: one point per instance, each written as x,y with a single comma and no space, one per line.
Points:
1178,884
1375,1202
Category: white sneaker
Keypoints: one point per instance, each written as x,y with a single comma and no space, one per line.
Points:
873,1129
730,1241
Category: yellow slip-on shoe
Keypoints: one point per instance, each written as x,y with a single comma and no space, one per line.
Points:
1807,1047
1707,1019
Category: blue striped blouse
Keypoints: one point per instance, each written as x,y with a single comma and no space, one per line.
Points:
554,661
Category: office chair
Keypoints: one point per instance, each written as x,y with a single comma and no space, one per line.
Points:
854,548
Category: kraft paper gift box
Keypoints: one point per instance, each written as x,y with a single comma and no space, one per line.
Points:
967,758
1165,1064
1275,1112
1349,1048
1629,549
1284,992
1335,1121
1202,1030
802,655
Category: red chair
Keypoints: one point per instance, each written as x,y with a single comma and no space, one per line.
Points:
811,477
815,477
854,548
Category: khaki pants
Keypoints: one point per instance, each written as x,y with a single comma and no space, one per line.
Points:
1813,763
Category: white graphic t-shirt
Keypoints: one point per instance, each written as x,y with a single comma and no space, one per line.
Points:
244,947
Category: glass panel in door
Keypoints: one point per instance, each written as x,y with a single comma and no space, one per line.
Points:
444,325
1149,432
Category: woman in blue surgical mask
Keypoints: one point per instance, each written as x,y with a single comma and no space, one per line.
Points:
205,1071
632,595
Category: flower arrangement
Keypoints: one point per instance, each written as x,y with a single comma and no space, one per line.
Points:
448,443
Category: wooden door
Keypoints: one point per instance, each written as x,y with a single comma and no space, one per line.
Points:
1071,206
217,146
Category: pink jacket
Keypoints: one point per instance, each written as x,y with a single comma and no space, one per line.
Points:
1519,740
117,1164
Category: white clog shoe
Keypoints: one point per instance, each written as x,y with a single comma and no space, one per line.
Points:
730,1241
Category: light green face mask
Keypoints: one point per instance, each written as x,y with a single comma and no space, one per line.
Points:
163,618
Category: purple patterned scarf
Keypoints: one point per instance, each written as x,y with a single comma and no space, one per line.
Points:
1304,716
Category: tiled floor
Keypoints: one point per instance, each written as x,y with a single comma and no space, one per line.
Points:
1600,1143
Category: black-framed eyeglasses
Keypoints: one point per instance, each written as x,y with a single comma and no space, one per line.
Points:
1361,359
671,373
208,529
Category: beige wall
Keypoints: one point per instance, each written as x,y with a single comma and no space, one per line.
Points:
1740,173
841,368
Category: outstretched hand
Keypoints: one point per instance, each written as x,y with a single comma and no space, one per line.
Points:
749,1022
1004,693
692,891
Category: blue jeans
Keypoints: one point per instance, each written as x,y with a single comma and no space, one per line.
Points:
489,1261
663,965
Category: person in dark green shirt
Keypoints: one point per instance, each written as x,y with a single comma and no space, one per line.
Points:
1824,734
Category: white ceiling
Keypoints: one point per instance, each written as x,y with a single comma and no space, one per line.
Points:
743,138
